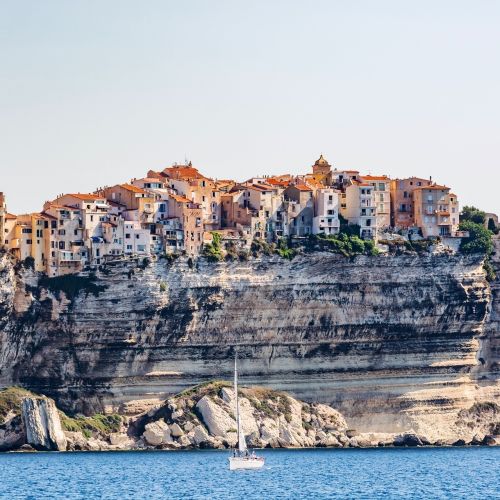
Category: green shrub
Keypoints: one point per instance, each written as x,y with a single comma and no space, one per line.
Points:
479,240
97,424
472,214
212,251
10,400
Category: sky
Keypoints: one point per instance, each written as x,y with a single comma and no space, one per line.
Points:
96,92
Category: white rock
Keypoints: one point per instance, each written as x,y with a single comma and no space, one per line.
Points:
188,426
217,420
200,435
42,423
118,439
269,430
175,430
157,433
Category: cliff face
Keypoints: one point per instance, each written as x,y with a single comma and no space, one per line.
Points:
392,342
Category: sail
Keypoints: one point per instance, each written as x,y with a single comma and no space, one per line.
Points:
242,445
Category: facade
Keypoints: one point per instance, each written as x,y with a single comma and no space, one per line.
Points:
361,208
434,213
382,193
178,208
326,212
299,209
402,203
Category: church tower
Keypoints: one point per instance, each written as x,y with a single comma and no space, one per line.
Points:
322,171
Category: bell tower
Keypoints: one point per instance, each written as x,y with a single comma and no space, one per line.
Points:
322,171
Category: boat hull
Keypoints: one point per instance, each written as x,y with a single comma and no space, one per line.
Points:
236,463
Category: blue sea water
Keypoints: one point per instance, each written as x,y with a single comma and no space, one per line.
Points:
451,473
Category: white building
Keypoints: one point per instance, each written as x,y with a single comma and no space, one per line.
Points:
361,208
326,211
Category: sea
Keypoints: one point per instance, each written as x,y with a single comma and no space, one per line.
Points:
399,473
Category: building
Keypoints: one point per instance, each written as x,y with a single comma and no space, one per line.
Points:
326,212
187,181
360,208
436,210
299,209
322,171
66,249
382,192
186,216
402,205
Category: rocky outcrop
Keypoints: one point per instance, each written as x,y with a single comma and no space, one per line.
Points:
395,343
42,424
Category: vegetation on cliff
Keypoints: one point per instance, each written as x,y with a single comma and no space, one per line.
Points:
100,425
10,400
480,239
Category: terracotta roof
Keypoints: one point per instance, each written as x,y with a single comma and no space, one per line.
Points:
179,198
132,189
301,187
434,186
48,216
10,216
275,182
375,178
183,172
85,196
149,179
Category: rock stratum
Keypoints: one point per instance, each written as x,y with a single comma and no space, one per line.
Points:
396,344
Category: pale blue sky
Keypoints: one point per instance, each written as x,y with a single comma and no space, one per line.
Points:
97,92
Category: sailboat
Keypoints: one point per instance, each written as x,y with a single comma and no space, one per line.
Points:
242,458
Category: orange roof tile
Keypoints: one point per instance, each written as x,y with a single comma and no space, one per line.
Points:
132,189
179,198
434,186
85,196
375,178
183,172
301,187
10,216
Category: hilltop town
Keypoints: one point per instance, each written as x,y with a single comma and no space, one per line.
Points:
180,210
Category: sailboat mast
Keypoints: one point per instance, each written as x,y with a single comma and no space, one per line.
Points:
236,395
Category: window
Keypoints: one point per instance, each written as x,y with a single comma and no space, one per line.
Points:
214,194
26,230
62,232
405,194
129,247
127,235
75,232
381,186
381,197
330,197
28,242
91,218
137,236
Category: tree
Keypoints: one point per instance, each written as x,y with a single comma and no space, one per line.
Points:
472,214
479,240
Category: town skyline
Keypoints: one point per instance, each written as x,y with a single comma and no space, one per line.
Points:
32,205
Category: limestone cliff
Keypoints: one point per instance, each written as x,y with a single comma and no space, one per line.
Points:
394,342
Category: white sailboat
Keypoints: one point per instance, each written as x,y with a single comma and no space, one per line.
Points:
242,458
